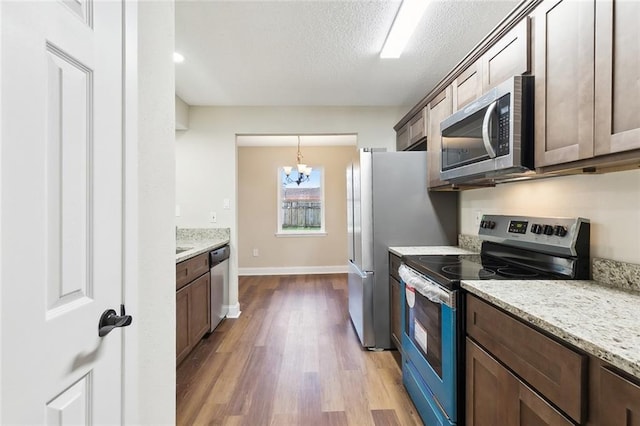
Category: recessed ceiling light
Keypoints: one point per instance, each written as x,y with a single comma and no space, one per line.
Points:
177,58
406,20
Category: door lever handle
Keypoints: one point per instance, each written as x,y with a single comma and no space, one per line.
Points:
110,320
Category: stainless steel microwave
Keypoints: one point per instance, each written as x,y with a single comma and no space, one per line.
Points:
492,137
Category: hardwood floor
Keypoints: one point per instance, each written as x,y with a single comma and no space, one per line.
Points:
292,358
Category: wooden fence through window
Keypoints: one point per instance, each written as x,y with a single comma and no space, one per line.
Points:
301,214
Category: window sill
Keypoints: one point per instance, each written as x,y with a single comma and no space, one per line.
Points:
300,234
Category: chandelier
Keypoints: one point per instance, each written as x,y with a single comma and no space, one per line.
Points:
304,172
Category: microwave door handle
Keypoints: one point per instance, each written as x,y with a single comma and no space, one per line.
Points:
486,139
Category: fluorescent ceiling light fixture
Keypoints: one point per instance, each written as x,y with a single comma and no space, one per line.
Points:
177,58
404,24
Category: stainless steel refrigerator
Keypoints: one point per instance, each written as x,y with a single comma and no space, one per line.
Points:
388,204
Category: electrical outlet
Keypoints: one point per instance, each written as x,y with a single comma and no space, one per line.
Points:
255,252
226,204
478,217
213,217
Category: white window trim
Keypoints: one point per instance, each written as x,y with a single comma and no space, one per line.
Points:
283,233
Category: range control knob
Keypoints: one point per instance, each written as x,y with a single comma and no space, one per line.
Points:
491,224
536,229
547,230
560,230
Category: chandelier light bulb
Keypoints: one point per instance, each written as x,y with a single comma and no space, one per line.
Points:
287,170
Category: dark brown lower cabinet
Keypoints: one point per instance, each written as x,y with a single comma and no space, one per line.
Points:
396,328
497,397
193,315
619,400
395,300
200,314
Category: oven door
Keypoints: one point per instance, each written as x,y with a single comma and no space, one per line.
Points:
429,343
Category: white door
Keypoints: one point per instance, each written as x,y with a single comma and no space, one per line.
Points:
61,210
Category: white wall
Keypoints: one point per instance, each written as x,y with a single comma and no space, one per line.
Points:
611,201
182,114
150,294
206,154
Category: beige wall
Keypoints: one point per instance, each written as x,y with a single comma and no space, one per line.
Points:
611,201
258,209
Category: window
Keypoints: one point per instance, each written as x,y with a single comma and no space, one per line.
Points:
301,207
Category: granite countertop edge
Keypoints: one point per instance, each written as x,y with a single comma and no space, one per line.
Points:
428,250
198,247
598,335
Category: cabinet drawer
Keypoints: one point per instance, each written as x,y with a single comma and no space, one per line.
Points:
394,264
553,369
191,269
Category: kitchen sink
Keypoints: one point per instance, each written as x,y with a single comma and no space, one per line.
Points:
181,249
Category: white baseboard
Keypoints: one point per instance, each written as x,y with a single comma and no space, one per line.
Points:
233,311
295,270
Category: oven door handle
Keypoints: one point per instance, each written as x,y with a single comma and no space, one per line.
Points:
428,289
486,138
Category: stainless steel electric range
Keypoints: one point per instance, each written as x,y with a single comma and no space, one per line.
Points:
513,248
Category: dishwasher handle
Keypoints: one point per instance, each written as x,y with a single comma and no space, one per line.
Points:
218,256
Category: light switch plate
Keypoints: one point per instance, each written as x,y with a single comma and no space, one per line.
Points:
213,217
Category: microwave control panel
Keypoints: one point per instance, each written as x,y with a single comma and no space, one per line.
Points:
503,112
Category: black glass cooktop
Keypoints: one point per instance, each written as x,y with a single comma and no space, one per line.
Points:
449,270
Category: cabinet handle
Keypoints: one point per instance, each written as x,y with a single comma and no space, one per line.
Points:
486,138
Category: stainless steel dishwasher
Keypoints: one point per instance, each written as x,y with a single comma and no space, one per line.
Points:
219,263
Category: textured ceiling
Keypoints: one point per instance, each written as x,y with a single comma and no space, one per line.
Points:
323,53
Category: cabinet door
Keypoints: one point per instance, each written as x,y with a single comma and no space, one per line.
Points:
402,138
440,108
564,81
619,400
396,327
530,409
617,88
508,57
182,324
488,388
199,313
467,87
418,127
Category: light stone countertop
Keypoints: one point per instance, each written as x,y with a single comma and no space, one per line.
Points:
200,240
428,250
602,321
198,247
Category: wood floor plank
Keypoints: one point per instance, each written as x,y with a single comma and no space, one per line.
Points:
385,418
292,358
